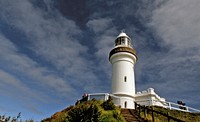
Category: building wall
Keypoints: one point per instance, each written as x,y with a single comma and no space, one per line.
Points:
149,98
123,80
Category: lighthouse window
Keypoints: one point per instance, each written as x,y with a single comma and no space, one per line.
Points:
129,42
125,78
123,41
118,42
125,104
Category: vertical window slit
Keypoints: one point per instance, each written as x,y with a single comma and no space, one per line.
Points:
125,78
125,104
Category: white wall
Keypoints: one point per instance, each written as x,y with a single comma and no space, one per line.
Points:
149,98
123,66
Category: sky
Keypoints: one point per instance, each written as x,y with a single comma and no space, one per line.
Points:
51,52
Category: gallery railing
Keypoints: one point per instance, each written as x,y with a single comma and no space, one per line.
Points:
147,102
169,105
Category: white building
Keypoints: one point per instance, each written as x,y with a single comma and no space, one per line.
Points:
123,58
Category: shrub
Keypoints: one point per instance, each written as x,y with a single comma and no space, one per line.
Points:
89,111
108,105
84,113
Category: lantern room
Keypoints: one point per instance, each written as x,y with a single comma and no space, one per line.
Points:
123,40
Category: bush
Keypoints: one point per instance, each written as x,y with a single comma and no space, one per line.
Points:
108,105
112,116
89,111
84,113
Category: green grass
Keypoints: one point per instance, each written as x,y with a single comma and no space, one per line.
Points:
90,111
184,116
94,110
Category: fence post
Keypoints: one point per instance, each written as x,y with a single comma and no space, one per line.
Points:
152,115
187,109
145,114
169,104
139,109
168,118
135,106
88,96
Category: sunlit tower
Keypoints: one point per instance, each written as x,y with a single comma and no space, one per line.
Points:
123,58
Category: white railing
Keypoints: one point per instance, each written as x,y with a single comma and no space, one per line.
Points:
147,102
98,96
169,105
175,106
104,97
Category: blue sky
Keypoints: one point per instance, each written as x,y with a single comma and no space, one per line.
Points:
51,52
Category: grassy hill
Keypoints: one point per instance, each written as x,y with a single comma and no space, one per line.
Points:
159,115
89,111
99,111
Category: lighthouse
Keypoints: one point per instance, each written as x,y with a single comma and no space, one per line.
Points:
123,58
123,93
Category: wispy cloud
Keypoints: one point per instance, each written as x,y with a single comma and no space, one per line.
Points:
53,38
104,35
23,66
99,25
176,23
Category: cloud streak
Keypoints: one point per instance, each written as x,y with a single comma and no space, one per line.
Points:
174,69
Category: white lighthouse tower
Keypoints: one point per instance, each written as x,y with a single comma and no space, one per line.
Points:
123,58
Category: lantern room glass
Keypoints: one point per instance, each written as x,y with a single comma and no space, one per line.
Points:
123,41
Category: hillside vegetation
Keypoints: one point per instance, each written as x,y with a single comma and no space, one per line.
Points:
99,111
89,111
177,114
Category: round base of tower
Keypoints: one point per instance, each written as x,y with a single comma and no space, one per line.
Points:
124,101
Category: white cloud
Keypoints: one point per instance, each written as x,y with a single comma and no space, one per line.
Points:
103,41
53,39
99,25
173,72
22,66
178,23
14,88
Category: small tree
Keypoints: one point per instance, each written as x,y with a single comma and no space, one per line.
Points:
84,113
108,105
3,118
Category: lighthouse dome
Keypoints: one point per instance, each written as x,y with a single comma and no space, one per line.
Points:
123,40
122,34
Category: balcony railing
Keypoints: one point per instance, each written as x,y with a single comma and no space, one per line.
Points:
148,102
